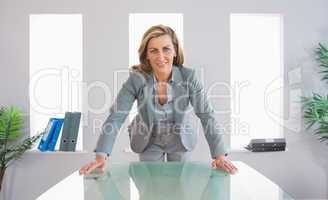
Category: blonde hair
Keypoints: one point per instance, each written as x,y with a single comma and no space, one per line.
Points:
155,32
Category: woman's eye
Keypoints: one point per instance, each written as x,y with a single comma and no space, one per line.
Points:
167,50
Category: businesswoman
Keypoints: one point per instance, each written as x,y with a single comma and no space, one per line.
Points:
164,89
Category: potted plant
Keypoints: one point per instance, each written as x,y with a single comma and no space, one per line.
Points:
316,106
11,123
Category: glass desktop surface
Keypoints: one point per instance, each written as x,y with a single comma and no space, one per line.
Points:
167,181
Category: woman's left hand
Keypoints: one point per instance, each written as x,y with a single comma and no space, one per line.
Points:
221,162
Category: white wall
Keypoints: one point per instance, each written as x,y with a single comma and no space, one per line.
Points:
301,171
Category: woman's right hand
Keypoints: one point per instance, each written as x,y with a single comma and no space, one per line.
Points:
99,162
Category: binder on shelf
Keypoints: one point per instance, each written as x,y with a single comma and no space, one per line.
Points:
45,140
55,134
70,131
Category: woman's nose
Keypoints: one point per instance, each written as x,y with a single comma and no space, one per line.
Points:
160,56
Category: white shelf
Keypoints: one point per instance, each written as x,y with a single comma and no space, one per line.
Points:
35,151
246,151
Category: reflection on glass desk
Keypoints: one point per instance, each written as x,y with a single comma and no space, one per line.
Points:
167,181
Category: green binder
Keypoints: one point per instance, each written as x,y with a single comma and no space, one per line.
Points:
70,131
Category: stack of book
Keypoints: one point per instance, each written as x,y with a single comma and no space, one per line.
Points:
70,124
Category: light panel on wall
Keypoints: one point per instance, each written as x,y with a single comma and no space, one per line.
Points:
256,76
55,68
138,24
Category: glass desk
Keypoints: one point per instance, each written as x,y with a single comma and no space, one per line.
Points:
167,181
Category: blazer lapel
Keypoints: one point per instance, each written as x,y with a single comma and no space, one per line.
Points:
180,95
148,90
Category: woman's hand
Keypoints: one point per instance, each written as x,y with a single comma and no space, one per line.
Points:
98,163
221,163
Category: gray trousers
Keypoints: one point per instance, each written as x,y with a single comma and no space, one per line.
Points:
156,153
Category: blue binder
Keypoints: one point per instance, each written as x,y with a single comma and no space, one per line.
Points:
43,145
55,134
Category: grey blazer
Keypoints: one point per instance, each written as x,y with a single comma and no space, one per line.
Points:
187,91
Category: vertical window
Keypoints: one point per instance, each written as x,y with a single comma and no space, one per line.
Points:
256,77
55,68
138,24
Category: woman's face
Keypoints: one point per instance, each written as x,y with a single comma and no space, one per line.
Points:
160,54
